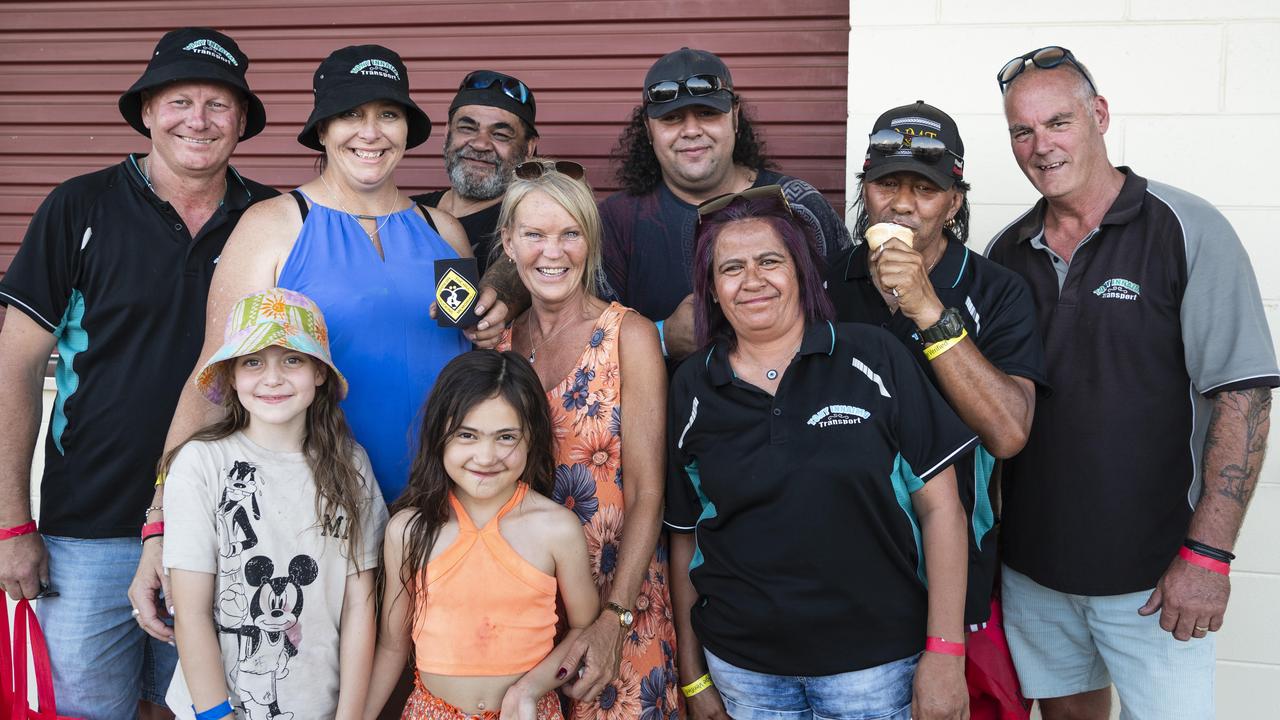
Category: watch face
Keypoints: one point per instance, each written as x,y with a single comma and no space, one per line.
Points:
627,618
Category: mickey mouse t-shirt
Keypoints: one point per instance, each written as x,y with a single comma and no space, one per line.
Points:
247,515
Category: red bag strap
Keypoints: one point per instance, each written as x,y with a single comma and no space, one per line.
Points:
24,619
6,665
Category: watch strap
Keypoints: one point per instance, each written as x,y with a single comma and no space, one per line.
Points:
948,327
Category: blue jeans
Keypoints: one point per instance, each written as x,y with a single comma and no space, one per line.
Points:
881,693
103,662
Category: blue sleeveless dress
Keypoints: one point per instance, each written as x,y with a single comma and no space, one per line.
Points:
380,334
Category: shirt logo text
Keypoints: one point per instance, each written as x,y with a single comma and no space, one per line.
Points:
839,415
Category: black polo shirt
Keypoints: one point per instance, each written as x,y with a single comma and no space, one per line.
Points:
114,274
481,227
809,557
1158,311
1000,317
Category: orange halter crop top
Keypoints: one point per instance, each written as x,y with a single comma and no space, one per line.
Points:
487,611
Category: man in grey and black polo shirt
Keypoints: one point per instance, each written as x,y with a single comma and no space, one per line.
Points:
933,290
1121,512
114,272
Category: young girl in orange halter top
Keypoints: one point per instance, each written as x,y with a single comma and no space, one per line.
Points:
475,553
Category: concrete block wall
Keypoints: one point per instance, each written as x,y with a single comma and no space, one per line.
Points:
1195,102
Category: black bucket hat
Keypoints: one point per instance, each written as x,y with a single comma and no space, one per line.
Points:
358,74
195,54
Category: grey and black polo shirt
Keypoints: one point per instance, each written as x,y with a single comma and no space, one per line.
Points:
809,554
1158,310
1000,317
112,271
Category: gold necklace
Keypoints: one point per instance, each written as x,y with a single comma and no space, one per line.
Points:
356,217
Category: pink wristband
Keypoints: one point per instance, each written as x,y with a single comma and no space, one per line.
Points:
151,530
945,647
1207,563
25,528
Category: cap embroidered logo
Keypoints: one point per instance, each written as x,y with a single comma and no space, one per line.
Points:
379,68
208,47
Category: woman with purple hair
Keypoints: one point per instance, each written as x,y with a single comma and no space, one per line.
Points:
809,494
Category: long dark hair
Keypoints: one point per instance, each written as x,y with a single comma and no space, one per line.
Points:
467,381
638,169
709,321
327,445
959,225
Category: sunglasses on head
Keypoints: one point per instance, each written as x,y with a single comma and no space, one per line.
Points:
922,147
534,169
764,192
511,87
694,86
1045,58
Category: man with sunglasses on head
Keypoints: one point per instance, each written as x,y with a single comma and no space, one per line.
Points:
968,322
491,130
690,140
1121,512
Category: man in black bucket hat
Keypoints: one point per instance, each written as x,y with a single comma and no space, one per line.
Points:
491,131
113,272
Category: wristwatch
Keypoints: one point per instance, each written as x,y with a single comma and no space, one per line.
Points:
949,326
626,618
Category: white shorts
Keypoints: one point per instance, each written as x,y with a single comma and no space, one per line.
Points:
1065,644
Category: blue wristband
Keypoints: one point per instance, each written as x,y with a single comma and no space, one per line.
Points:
662,340
214,713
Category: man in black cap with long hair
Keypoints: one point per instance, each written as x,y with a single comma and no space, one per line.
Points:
113,272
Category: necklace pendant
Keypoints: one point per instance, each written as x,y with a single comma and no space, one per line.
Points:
772,374
532,355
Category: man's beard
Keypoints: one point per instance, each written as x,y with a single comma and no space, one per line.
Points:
473,186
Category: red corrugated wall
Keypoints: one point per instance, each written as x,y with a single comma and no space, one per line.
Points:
63,65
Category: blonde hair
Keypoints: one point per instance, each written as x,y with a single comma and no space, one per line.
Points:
576,197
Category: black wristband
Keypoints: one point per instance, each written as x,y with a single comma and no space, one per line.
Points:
1208,551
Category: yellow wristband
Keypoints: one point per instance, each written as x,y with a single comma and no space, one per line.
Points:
697,686
160,479
938,348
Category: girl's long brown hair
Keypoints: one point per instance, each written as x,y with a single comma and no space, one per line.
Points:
327,444
467,381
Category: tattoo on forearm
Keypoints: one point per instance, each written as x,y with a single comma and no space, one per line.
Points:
1248,411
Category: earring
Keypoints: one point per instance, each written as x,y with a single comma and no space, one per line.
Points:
511,260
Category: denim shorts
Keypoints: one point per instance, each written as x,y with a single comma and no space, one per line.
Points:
1064,644
880,693
103,662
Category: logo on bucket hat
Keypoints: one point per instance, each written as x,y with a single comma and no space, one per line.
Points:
208,47
374,66
271,317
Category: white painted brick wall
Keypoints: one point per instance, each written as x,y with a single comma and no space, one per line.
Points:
1194,87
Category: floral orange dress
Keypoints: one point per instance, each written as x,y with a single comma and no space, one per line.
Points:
586,416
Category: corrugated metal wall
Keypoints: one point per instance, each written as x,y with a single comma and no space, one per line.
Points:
63,64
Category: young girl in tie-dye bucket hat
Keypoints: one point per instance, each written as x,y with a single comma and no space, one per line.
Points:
274,524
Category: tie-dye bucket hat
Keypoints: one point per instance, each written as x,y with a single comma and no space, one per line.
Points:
271,317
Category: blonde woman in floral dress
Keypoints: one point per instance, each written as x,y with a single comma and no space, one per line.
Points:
593,358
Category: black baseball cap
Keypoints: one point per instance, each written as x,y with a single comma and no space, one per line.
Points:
682,65
190,54
494,89
918,120
358,74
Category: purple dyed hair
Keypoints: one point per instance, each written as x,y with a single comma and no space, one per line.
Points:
709,321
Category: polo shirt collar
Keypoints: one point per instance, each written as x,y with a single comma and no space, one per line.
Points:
819,338
237,197
1127,206
946,273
